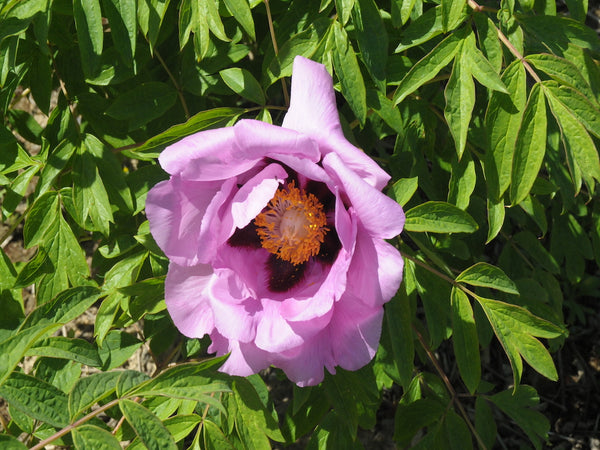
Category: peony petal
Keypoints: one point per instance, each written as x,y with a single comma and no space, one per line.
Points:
260,138
244,359
182,214
376,270
187,303
305,364
355,330
255,194
379,214
273,333
207,156
235,312
313,112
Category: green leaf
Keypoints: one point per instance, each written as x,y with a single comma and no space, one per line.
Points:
8,442
587,113
150,15
129,380
348,72
90,390
36,398
457,434
35,268
516,329
404,189
518,406
147,426
530,146
563,71
344,9
577,141
462,181
503,120
460,100
40,78
485,423
255,421
215,24
485,275
188,381
90,34
439,217
91,436
65,307
398,319
489,42
117,347
57,161
89,193
532,245
421,29
481,68
372,39
558,32
121,15
452,12
429,66
14,348
212,118
143,103
243,83
67,348
410,418
42,220
240,9
465,340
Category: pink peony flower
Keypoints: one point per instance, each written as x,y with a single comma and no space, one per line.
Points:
275,237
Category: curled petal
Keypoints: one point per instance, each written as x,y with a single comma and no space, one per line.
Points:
186,299
380,215
313,112
260,138
255,194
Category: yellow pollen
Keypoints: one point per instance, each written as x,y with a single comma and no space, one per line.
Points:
293,225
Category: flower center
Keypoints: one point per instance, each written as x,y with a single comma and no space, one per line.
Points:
293,225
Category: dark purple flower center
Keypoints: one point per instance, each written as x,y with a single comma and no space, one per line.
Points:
293,227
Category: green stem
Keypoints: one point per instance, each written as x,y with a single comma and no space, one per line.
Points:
174,81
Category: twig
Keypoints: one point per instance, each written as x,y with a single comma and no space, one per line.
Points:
174,81
476,7
286,95
40,445
451,390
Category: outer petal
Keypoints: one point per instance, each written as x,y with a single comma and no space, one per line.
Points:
305,365
182,215
208,155
187,303
244,360
376,270
313,111
354,332
379,214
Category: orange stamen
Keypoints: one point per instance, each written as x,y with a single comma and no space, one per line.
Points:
293,225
